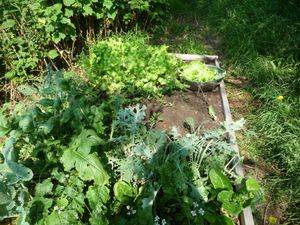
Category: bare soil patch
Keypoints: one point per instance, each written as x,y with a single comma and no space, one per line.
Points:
176,108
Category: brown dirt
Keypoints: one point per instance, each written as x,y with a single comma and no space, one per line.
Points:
175,109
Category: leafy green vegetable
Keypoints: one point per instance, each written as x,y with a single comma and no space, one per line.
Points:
199,72
219,180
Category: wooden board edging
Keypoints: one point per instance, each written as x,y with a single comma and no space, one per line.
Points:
246,217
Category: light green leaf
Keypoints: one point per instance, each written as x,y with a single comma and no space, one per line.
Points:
78,156
8,24
97,195
252,185
52,54
44,188
62,202
228,203
225,196
219,180
123,191
88,11
212,112
26,123
88,166
69,12
65,20
27,90
68,2
108,4
112,16
10,74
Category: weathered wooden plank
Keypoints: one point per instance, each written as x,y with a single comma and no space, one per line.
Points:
246,216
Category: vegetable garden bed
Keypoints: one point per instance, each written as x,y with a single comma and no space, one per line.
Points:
77,151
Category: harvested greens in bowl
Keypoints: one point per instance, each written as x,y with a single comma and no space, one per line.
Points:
197,71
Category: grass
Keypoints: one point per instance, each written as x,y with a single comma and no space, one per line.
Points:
261,41
258,40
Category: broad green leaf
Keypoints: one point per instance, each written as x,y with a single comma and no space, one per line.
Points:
88,166
52,54
10,74
97,195
13,171
4,124
225,196
223,220
44,188
252,185
27,90
233,208
65,20
26,123
47,127
112,16
78,156
68,2
49,28
62,218
5,199
88,11
228,203
123,191
8,24
62,202
69,12
108,4
86,140
219,180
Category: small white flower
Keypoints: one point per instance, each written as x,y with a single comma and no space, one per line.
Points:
193,212
163,222
128,213
195,204
133,212
156,219
201,211
127,207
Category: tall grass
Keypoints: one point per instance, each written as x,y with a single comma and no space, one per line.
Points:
261,40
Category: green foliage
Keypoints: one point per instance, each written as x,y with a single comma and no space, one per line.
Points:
127,64
37,33
104,168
